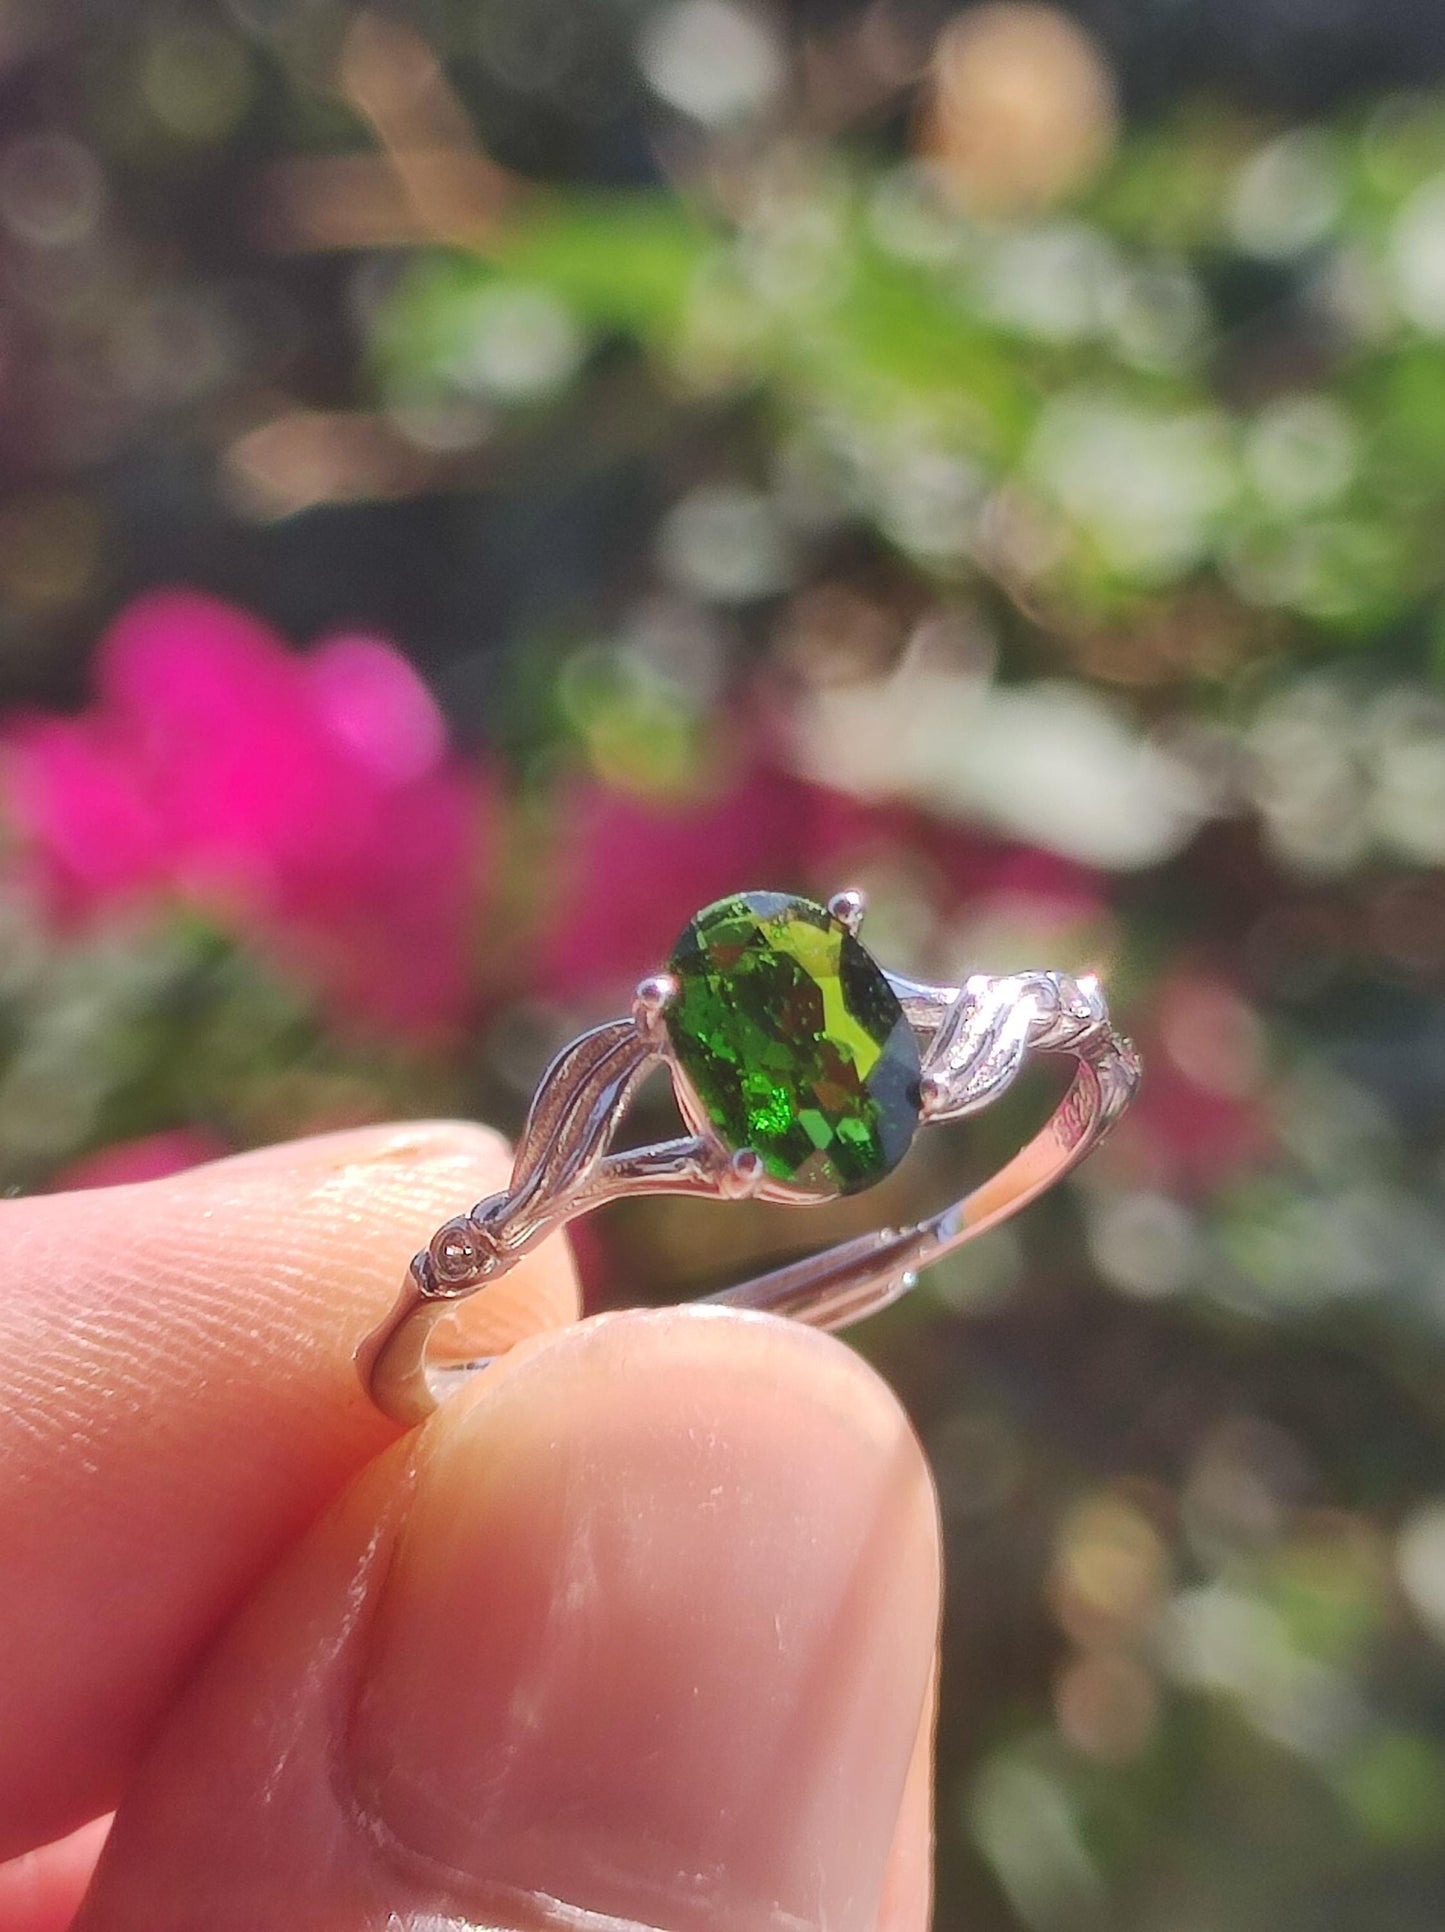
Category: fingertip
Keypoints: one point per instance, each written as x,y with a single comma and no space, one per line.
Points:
313,1236
41,1890
702,1550
178,1398
638,1631
405,1144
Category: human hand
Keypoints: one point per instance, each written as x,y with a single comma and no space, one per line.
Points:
638,1630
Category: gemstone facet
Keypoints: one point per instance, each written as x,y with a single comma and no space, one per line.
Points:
793,1042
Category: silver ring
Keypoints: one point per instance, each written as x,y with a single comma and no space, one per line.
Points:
894,1053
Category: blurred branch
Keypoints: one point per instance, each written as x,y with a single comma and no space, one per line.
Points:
432,182
359,201
310,456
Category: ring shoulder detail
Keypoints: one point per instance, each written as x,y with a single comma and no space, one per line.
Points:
977,1039
565,1164
579,1101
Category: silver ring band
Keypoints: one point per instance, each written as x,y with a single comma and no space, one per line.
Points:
973,1041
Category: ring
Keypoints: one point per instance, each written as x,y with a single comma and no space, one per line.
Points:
802,1071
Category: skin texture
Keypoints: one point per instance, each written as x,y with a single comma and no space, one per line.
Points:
639,1630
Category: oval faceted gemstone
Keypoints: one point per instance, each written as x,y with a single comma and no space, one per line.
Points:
794,1042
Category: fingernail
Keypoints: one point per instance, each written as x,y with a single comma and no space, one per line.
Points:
658,1631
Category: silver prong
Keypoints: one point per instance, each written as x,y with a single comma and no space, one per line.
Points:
651,1000
848,908
744,1174
931,1095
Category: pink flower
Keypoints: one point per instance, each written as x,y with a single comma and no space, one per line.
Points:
146,1159
993,869
1203,1116
311,800
631,870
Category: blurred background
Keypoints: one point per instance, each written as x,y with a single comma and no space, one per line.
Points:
482,478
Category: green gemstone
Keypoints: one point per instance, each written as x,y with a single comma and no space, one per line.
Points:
793,1042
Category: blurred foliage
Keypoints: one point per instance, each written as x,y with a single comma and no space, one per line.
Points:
804,451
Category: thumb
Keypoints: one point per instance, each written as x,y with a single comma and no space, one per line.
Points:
637,1633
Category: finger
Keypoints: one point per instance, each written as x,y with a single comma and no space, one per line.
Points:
639,1633
40,1890
177,1401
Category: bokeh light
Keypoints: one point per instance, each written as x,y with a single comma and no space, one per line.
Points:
1021,110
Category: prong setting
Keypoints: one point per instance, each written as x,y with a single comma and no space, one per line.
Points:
744,1174
848,908
650,1003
